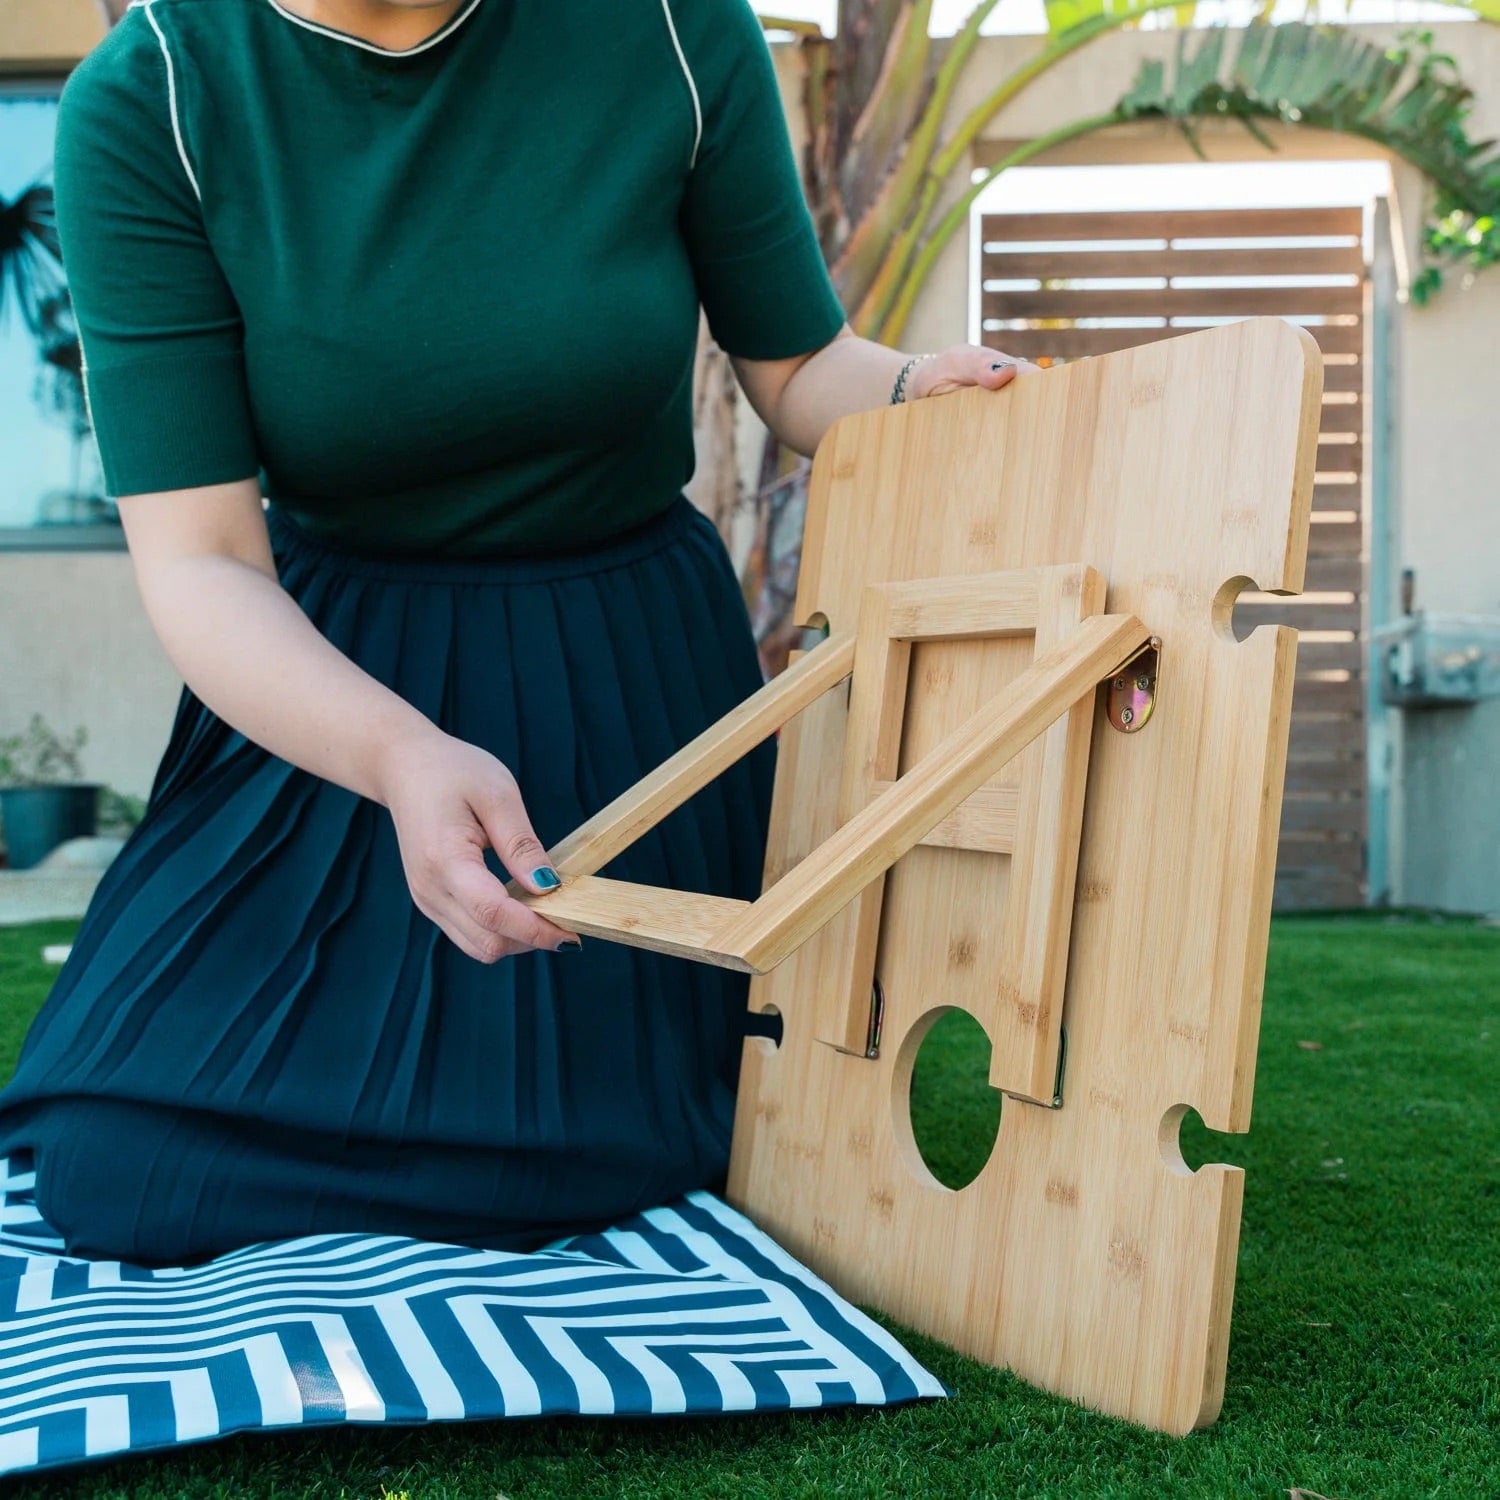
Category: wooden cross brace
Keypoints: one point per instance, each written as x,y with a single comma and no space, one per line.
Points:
941,799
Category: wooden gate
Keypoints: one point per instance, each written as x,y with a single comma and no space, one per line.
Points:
1060,286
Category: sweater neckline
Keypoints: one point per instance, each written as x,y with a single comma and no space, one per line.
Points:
446,30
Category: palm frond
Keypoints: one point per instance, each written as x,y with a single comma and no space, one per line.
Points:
31,271
1406,98
884,124
1064,16
786,23
858,265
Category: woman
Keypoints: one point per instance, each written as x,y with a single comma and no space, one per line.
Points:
427,274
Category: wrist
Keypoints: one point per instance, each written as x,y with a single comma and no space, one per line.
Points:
901,390
399,754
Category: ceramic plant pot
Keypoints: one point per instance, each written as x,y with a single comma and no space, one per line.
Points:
36,819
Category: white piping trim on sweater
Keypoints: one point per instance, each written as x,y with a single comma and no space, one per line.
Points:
83,373
187,166
356,41
687,73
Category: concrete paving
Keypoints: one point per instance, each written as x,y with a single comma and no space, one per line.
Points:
44,895
60,887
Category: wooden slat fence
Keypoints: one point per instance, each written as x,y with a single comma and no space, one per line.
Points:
1060,286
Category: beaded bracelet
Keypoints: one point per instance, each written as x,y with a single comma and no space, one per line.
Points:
898,391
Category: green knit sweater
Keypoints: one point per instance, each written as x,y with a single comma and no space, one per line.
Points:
444,299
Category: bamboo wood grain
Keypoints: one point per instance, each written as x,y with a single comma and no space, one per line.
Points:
983,604
1023,1015
759,935
1086,1256
872,747
646,916
876,837
985,821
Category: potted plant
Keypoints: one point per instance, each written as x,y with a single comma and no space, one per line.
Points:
44,800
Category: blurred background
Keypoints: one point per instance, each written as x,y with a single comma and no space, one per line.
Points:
1056,180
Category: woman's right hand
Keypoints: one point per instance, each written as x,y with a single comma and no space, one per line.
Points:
450,801
210,585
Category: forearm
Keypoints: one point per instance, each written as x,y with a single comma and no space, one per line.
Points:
851,374
246,649
208,578
800,399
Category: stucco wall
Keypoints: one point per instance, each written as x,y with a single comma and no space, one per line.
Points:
75,646
1446,814
1452,757
74,641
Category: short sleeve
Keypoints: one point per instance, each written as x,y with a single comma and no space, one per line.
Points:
760,272
161,336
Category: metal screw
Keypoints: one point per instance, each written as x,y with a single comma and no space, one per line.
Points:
1119,684
1143,684
1127,716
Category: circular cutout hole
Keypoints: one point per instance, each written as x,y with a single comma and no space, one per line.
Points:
955,1114
816,630
764,1025
1188,1144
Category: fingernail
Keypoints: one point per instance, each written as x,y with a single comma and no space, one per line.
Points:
569,945
546,877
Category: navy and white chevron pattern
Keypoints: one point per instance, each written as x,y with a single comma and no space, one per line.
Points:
686,1308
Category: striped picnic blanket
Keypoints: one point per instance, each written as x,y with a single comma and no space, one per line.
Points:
683,1309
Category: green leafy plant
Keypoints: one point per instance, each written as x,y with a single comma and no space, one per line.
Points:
1407,98
39,756
881,148
32,283
1459,237
119,812
31,273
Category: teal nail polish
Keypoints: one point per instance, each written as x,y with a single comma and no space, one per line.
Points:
546,878
570,945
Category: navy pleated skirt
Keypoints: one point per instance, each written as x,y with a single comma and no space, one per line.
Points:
257,1035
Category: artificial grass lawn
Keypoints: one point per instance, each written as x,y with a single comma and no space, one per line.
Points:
1365,1357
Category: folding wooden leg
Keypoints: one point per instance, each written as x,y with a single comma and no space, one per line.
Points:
759,935
618,825
1036,820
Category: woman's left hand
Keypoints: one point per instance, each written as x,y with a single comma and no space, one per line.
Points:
965,365
799,399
